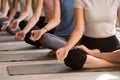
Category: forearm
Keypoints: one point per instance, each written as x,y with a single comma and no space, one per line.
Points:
55,17
26,11
79,28
12,14
52,24
23,16
74,38
33,20
109,56
13,10
119,16
4,8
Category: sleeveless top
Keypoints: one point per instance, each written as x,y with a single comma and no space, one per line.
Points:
100,17
65,28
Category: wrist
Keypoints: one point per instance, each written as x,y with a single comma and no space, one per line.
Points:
45,29
25,31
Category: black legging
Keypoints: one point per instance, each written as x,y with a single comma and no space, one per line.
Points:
76,58
40,24
104,44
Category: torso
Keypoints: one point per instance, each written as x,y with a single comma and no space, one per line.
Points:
100,17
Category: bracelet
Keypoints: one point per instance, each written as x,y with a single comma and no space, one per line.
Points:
45,28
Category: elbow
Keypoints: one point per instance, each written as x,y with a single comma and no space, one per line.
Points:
57,20
35,17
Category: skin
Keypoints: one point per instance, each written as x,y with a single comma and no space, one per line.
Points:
119,16
93,62
4,9
79,28
33,20
23,15
97,59
36,34
13,11
109,56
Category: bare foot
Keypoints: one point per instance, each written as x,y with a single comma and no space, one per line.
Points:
51,53
94,51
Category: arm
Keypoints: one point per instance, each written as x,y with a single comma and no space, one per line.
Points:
26,11
119,16
84,48
56,16
79,28
108,56
4,8
13,10
93,62
33,20
11,15
23,15
51,24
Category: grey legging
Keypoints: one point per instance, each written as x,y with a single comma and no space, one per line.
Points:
52,42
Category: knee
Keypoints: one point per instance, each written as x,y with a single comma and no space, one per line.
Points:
75,59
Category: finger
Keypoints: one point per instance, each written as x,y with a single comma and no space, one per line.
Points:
16,36
13,26
63,56
32,35
57,56
3,27
19,36
31,38
58,61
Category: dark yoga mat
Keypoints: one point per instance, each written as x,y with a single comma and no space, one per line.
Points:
25,55
50,69
37,69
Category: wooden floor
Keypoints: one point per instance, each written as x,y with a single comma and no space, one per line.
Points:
26,62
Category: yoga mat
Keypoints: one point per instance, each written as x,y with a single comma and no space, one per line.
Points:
50,69
36,69
25,55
